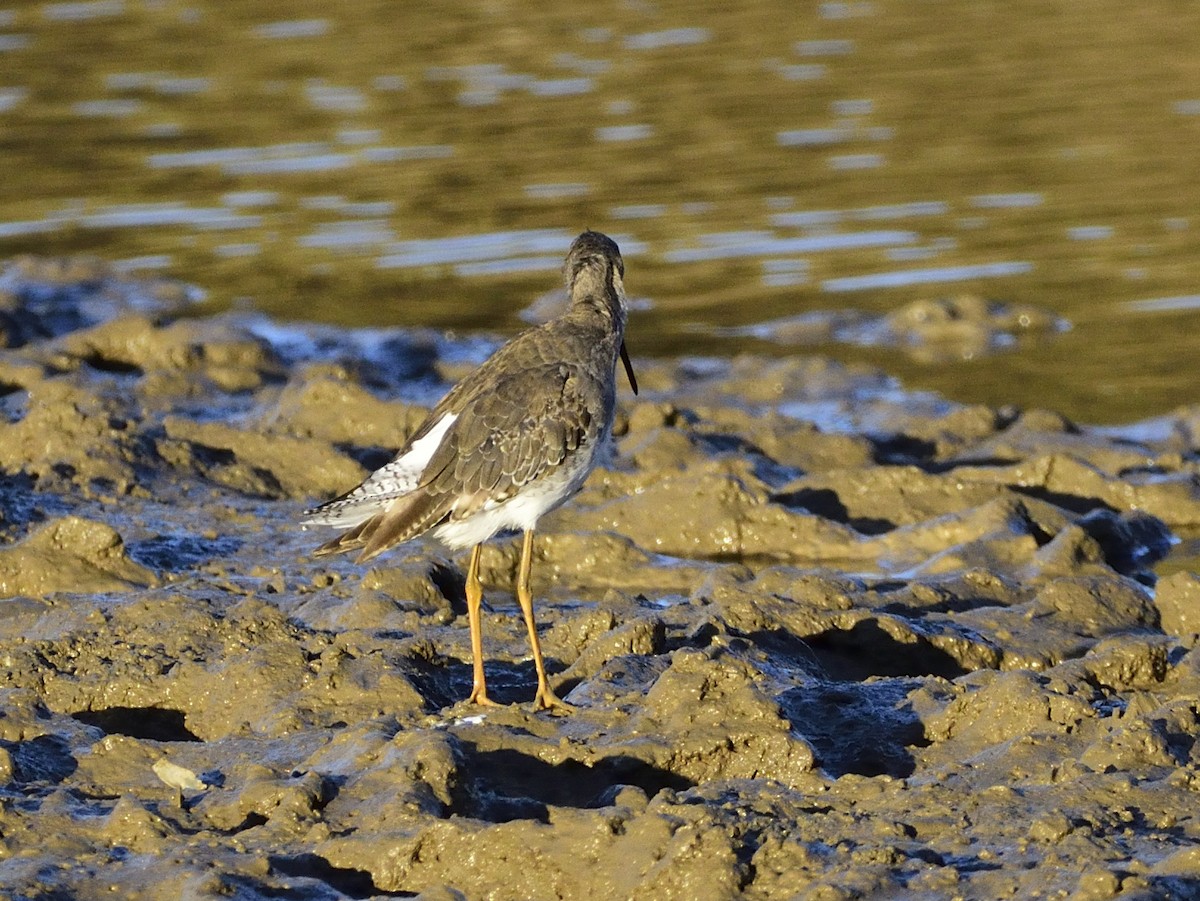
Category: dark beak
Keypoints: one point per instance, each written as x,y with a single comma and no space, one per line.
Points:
628,368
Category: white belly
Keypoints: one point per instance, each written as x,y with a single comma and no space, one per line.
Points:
523,511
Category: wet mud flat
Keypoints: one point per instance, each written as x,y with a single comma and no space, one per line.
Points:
825,639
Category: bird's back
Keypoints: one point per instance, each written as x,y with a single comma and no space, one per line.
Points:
534,412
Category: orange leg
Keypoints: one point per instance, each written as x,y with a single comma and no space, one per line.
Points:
545,698
474,602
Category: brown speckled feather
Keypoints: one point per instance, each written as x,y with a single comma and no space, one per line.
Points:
522,427
531,406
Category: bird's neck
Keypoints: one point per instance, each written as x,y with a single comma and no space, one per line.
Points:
596,293
602,305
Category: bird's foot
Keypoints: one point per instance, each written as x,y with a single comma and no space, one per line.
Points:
479,696
546,699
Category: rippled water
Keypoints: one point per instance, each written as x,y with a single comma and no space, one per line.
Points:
389,164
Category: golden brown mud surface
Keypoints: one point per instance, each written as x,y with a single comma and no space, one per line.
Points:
914,650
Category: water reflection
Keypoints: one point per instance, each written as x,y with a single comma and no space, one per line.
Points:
114,109
613,133
638,211
334,98
359,233
1089,232
558,191
966,326
671,37
1165,304
834,47
135,215
856,161
11,97
80,12
283,158
561,87
755,155
795,72
934,275
755,244
294,28
489,247
157,82
1016,200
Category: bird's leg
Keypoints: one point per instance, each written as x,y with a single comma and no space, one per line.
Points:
545,698
474,601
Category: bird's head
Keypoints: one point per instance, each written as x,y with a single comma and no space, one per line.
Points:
595,275
594,268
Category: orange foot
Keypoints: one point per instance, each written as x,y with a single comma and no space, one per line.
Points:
479,696
546,699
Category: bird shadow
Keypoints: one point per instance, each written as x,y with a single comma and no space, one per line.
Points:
44,759
447,682
868,729
505,784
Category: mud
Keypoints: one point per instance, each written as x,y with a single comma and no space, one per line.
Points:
825,639
941,330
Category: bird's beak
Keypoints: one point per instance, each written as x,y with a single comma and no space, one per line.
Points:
628,368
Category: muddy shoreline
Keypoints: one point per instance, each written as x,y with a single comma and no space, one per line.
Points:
826,638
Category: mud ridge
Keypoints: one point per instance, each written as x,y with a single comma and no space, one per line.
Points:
824,640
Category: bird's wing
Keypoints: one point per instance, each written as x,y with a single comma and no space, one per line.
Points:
517,430
397,479
403,474
512,434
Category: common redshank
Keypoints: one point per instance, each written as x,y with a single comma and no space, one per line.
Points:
509,443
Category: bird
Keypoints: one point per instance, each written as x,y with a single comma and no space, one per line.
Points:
515,439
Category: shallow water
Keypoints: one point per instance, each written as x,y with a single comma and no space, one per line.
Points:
370,163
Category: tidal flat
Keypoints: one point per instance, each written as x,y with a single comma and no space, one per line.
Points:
826,638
